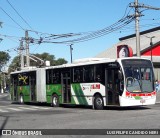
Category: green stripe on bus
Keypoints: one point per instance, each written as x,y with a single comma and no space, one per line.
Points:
79,94
25,90
72,100
137,97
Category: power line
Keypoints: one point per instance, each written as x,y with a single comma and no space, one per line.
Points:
11,26
91,34
13,38
10,36
99,33
88,35
132,27
85,36
19,14
12,18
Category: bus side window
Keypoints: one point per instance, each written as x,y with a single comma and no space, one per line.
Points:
88,73
56,77
98,73
77,75
49,76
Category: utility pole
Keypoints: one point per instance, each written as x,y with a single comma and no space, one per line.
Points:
71,49
27,49
21,48
137,15
137,6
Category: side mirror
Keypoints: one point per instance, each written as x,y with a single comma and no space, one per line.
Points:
120,74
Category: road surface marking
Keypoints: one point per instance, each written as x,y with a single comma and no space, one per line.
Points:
1,110
36,107
15,109
28,108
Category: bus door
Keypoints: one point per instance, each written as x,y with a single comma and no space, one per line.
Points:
112,85
32,84
15,91
66,86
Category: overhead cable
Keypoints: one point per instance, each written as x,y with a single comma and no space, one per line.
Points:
19,14
12,18
119,24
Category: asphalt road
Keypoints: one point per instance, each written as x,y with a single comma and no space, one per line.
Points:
15,116
158,97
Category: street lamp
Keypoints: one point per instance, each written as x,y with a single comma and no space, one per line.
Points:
151,44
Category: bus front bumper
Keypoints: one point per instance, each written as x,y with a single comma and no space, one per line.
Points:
125,101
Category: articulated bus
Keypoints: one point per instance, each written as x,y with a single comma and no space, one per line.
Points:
94,82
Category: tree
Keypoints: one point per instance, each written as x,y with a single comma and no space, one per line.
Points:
15,64
4,58
60,61
44,56
47,57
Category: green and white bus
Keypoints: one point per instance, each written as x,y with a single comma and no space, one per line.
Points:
94,82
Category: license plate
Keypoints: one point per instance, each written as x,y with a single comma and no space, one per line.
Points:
142,101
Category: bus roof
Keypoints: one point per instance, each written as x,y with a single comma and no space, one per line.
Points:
84,61
91,61
25,69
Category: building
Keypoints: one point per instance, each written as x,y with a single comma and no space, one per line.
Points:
149,46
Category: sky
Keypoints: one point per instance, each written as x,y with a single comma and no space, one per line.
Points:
46,17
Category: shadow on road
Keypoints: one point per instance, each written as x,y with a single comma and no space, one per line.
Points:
108,107
37,104
127,108
4,123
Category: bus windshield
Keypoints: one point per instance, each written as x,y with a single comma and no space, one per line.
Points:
138,75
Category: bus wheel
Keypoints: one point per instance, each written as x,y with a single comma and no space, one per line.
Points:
55,101
21,101
98,102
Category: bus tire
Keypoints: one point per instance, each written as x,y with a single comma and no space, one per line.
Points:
55,100
98,102
21,99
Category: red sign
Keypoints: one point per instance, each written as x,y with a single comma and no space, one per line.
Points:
124,51
95,86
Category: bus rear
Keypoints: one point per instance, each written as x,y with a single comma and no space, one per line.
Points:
137,82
